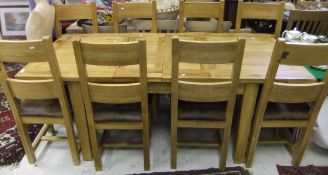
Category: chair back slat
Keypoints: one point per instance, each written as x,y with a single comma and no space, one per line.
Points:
33,89
74,12
309,21
201,10
295,93
252,10
22,52
27,52
207,52
204,52
115,94
118,54
134,10
204,92
304,54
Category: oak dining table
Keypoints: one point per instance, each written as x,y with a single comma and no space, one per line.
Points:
255,63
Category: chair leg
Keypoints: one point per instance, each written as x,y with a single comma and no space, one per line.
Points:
154,107
174,130
95,147
254,138
72,140
26,142
224,147
52,130
146,147
301,146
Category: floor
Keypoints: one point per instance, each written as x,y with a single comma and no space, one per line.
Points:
54,158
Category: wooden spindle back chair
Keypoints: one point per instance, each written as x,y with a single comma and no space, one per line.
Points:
310,21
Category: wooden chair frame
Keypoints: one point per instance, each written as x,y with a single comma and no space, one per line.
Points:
297,55
135,10
252,10
309,21
118,54
201,10
204,52
73,12
36,51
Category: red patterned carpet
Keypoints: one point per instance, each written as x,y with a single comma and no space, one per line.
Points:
11,150
302,170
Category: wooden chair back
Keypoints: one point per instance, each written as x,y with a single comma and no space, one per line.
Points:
297,55
309,21
135,10
269,11
74,12
27,52
206,52
118,54
201,10
24,52
294,54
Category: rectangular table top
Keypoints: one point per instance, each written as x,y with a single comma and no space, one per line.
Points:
256,59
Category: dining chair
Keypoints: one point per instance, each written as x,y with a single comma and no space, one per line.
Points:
204,104
287,104
310,21
254,10
135,10
201,10
114,106
37,101
74,12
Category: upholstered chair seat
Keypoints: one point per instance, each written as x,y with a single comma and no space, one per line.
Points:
46,108
201,110
117,112
287,111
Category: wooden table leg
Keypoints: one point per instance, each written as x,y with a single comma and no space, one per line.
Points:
246,116
154,101
80,118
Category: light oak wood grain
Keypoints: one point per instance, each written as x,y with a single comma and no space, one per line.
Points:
135,10
73,12
118,93
218,53
36,89
284,53
201,10
256,10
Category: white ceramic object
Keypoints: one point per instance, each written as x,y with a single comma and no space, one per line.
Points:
41,20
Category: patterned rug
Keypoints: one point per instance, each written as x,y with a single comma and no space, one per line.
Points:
302,170
11,150
211,171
